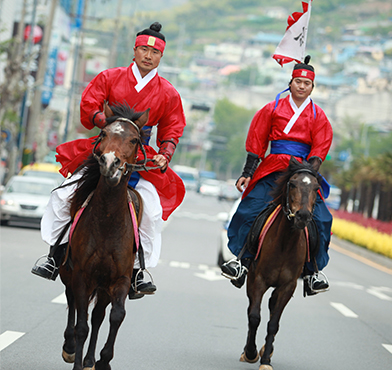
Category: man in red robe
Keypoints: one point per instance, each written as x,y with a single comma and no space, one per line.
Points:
294,126
162,190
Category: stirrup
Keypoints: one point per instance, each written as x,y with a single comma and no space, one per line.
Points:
240,270
310,280
49,265
134,284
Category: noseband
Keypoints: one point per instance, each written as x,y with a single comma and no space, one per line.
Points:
288,212
129,167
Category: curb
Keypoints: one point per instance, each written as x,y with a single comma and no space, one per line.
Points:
363,252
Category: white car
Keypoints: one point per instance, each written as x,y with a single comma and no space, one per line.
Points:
25,198
210,187
224,253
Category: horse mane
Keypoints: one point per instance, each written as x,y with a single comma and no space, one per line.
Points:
279,192
125,111
86,184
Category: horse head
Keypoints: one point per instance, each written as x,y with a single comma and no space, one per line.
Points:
298,191
119,141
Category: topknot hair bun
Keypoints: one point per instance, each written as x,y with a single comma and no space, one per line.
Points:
156,26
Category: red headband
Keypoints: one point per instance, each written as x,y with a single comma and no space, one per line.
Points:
304,73
154,42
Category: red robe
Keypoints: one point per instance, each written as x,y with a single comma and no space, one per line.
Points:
268,125
117,86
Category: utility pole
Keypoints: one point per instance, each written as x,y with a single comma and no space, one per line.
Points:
113,51
78,48
36,106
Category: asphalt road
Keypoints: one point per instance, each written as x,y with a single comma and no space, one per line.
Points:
197,319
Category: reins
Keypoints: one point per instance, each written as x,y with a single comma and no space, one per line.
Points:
130,167
287,211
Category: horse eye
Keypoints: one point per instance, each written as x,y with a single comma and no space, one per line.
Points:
133,141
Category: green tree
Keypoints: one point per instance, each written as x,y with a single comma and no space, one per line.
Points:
231,123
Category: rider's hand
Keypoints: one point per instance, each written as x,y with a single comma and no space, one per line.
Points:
242,183
160,161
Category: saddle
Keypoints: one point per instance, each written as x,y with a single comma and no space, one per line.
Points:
261,225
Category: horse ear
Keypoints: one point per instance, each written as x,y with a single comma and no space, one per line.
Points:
143,119
107,110
293,161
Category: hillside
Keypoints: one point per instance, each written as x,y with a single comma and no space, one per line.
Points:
199,22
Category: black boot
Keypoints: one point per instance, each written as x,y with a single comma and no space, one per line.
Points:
314,282
139,287
50,268
236,270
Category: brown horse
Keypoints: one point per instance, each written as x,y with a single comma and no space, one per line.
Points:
282,256
102,245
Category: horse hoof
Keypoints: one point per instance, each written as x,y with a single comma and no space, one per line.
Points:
262,352
89,368
69,358
243,358
265,367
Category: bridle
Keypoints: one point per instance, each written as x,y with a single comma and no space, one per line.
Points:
129,167
287,211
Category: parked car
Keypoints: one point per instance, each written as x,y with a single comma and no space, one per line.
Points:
48,170
333,201
203,176
210,187
25,198
224,253
228,191
189,176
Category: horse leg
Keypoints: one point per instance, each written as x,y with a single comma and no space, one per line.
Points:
97,318
255,291
69,333
117,315
81,328
278,301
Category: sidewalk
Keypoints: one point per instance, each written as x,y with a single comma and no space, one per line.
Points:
362,252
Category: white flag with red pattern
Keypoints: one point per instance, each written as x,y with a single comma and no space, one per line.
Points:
292,47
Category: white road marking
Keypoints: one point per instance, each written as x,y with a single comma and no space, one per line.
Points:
349,285
210,275
183,265
343,309
376,292
61,299
388,347
9,337
196,216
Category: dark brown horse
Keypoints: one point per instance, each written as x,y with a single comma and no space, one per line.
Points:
282,256
102,245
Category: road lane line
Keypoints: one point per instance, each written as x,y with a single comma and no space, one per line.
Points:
61,299
9,337
343,309
388,347
361,259
378,294
184,265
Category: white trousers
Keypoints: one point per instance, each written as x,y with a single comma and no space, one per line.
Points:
57,215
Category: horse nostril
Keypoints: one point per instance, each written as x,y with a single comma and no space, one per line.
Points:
303,215
102,160
117,162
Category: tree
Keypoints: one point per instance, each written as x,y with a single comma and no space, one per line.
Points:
12,91
231,123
